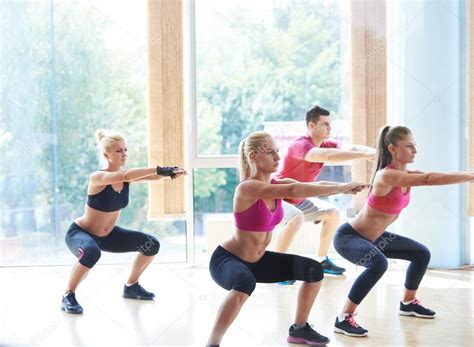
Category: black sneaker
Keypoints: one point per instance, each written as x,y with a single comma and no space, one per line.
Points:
349,327
306,336
416,309
136,291
330,268
69,304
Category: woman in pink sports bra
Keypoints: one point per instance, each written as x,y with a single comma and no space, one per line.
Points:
242,261
365,242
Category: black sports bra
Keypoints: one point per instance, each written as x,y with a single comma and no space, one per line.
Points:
108,200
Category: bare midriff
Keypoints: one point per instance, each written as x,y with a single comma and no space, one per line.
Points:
371,223
97,222
247,245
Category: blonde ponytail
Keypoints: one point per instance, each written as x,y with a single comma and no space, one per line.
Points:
253,143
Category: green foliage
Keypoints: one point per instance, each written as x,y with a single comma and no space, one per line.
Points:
90,94
264,69
206,181
253,70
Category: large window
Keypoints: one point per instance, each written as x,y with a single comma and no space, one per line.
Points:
213,219
266,61
260,65
68,68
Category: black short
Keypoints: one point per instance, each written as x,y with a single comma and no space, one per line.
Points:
231,272
87,247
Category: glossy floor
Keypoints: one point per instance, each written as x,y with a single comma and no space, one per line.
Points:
187,301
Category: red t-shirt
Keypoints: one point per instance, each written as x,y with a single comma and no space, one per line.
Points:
296,167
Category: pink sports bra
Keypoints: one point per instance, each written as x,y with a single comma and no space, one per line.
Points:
391,203
258,217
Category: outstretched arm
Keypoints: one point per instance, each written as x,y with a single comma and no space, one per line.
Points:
334,155
359,148
100,178
416,172
396,178
174,172
253,189
329,183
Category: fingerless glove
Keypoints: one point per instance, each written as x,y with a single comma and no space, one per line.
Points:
167,171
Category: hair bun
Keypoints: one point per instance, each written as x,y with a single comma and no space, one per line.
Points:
100,134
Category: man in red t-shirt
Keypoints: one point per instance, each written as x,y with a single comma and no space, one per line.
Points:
303,162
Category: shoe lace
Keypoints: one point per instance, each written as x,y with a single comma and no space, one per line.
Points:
312,331
141,289
418,303
350,319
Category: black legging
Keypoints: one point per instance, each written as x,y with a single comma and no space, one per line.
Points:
231,272
373,256
87,247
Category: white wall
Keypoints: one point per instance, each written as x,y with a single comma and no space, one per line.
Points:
426,82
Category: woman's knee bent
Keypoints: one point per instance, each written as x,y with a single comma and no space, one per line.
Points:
313,271
150,247
424,256
89,256
377,265
244,282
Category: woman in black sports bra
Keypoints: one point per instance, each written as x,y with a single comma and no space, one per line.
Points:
95,230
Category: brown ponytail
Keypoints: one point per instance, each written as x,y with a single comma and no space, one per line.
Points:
388,136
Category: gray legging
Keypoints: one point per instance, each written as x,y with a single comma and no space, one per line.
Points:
373,256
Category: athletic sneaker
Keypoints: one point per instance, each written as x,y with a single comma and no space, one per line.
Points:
136,291
330,268
287,283
306,336
349,327
69,304
416,309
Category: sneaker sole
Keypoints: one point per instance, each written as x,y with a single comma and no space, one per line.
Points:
138,298
411,313
330,272
71,312
302,341
340,331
